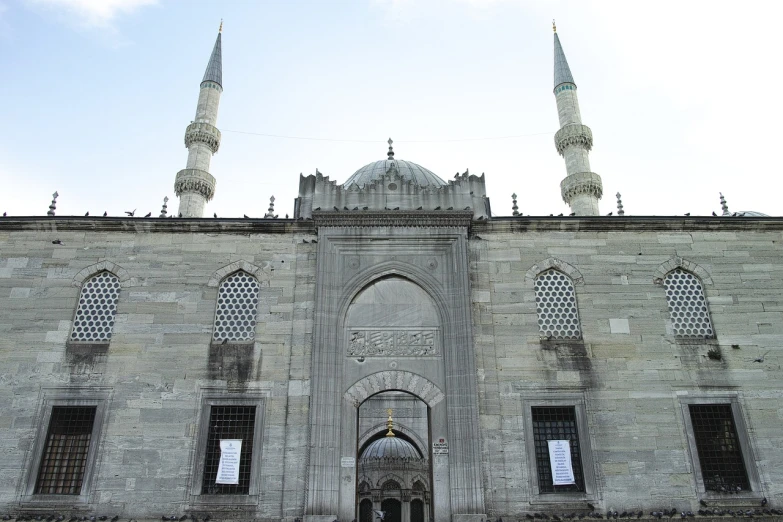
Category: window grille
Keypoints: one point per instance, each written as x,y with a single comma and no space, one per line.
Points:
229,422
556,423
720,455
65,455
558,317
97,307
687,305
417,511
235,316
366,511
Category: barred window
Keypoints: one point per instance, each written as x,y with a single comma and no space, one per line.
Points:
558,317
229,422
718,446
64,459
96,310
687,305
556,423
235,316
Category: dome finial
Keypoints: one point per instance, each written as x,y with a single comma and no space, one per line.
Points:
390,422
554,27
391,156
220,29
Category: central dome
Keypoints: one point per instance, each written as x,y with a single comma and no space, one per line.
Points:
394,447
407,170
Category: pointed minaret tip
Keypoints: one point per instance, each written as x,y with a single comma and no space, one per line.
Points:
214,72
554,27
562,71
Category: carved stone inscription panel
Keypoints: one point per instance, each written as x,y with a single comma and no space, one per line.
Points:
369,342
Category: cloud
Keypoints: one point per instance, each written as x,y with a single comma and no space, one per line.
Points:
94,13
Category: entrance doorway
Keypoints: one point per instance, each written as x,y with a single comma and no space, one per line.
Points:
394,473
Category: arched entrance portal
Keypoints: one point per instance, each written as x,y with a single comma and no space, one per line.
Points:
395,473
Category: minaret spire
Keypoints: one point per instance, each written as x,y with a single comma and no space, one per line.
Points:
194,184
581,189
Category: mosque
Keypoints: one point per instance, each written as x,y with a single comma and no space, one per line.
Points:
394,351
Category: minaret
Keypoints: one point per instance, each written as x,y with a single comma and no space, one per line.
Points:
195,185
581,189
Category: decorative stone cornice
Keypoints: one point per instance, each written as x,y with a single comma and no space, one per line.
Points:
581,183
392,218
195,180
205,133
573,134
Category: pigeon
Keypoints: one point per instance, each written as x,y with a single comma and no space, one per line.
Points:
419,208
224,341
346,208
703,502
396,208
758,360
58,242
115,518
317,208
380,514
214,215
148,214
245,216
560,215
764,501
86,214
4,214
180,214
305,241
590,507
183,517
336,209
355,208
468,208
365,208
437,208
610,213
314,241
102,517
450,208
105,213
714,214
687,213
131,213
572,214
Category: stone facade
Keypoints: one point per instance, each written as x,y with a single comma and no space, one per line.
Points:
630,378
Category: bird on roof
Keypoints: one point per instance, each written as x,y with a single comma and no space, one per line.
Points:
131,213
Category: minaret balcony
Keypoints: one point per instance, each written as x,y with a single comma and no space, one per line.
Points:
573,134
203,132
581,183
195,180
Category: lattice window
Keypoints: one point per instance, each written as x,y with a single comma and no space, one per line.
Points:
364,487
366,511
558,317
687,305
64,459
417,511
720,455
235,317
418,486
97,307
556,423
229,422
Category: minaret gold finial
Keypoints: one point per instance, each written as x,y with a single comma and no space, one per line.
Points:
390,423
554,27
221,26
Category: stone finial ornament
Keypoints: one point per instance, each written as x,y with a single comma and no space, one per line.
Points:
554,27
390,424
620,211
723,205
390,154
163,209
270,213
53,205
514,207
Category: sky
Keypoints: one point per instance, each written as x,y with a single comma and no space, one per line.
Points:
680,96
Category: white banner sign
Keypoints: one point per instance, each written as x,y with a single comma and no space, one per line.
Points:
560,460
228,468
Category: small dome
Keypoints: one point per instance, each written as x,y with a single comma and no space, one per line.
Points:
394,447
750,213
406,169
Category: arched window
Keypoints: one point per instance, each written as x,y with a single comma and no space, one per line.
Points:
390,485
687,305
558,317
97,307
235,315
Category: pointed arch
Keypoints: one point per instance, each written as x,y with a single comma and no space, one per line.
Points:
93,321
678,262
262,273
236,308
394,380
103,266
390,477
557,264
689,312
556,306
